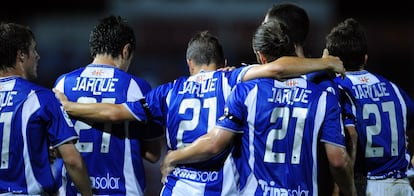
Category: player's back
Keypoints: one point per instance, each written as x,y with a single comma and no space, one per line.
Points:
191,105
113,159
285,122
325,80
199,101
31,120
381,110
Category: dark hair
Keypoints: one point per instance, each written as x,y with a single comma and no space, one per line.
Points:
348,42
204,48
110,36
294,17
272,40
13,38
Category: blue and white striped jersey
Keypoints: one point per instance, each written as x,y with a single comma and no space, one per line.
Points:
113,159
380,112
31,120
325,80
281,124
189,107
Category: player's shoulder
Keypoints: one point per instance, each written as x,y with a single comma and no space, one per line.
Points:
75,72
321,86
237,70
382,78
43,91
181,79
23,83
260,82
33,88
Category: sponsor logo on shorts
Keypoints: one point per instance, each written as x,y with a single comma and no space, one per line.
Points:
105,182
200,176
269,189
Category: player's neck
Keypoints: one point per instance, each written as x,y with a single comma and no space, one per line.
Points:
104,60
12,71
198,69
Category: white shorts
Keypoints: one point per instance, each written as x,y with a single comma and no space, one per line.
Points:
389,187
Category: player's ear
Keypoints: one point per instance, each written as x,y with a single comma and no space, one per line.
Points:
260,57
126,52
190,65
365,62
20,55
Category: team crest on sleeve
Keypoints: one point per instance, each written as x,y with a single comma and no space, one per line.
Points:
226,113
66,116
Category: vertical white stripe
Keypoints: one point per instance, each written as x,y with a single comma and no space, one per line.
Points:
353,106
243,72
132,186
131,182
167,132
134,91
250,102
226,88
402,104
230,178
60,85
230,174
30,106
404,112
319,117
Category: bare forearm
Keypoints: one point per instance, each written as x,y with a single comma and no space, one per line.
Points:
341,168
295,66
80,177
99,112
203,148
286,67
75,167
151,150
353,140
344,177
200,150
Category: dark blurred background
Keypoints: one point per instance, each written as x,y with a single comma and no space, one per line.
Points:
163,28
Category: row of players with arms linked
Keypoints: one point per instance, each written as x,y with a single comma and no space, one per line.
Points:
257,129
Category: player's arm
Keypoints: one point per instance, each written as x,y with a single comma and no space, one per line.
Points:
101,112
289,66
352,140
75,167
204,148
151,150
341,168
152,137
151,141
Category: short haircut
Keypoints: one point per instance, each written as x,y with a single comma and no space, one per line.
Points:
348,42
294,17
13,38
110,35
272,40
205,49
